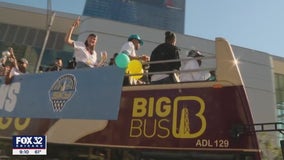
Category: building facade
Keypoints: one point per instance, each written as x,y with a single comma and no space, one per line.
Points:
160,14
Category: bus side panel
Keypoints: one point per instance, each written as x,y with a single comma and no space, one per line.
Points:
180,118
192,118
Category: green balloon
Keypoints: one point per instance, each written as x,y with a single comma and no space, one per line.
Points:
122,60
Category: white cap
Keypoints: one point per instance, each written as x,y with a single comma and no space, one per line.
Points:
6,54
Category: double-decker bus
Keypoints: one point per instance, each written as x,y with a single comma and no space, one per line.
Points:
204,120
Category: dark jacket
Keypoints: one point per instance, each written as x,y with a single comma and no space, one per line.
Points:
165,51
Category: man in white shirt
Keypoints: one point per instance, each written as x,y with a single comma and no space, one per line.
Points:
18,67
193,64
132,45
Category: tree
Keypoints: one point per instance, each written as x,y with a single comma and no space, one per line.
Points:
271,149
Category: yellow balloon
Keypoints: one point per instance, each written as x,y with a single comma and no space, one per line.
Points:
137,76
134,66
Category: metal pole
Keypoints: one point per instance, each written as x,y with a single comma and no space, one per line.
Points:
45,42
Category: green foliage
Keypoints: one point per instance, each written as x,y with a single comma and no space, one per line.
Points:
270,147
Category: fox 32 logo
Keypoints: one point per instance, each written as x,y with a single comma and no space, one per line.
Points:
29,142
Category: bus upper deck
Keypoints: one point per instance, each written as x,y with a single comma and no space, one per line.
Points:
189,120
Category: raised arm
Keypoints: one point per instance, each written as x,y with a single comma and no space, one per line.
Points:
9,76
14,59
68,36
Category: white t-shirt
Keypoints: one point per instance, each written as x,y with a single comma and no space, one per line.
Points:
157,77
15,72
82,55
193,75
129,48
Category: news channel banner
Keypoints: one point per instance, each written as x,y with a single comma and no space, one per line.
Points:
29,145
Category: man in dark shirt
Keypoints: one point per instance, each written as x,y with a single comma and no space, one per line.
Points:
165,51
57,66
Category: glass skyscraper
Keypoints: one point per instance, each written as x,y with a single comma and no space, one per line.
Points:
160,14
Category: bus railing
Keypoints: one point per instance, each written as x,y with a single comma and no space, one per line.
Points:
226,69
238,130
178,72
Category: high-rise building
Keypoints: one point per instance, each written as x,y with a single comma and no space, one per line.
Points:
160,14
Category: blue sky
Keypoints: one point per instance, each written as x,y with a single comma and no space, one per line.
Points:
253,24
